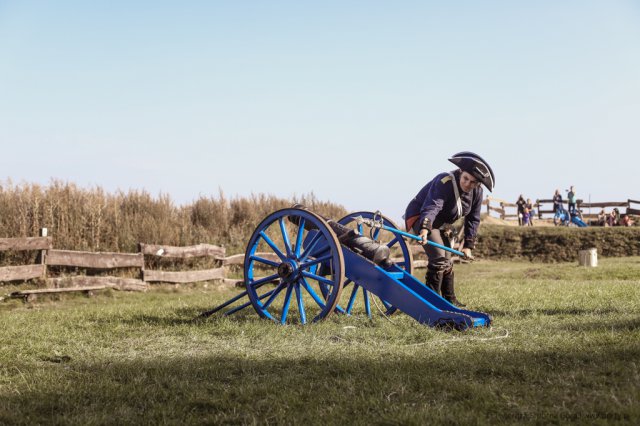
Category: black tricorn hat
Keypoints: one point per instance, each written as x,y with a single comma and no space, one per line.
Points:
476,166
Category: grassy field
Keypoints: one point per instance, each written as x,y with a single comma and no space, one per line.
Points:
565,348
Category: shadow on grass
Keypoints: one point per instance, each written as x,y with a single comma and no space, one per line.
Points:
626,324
461,387
187,317
184,316
553,312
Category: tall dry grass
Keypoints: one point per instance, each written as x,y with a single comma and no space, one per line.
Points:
95,220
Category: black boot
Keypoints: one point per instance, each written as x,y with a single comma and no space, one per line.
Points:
433,280
448,291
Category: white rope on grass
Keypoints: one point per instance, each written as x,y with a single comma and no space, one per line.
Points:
463,339
384,314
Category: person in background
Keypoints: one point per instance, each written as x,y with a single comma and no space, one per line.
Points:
443,200
526,216
614,218
521,204
532,212
625,220
602,218
557,201
571,199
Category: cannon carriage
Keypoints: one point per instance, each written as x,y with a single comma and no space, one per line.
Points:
300,267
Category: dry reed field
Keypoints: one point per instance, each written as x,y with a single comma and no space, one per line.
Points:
94,220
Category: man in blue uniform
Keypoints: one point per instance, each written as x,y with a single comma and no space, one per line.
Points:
448,197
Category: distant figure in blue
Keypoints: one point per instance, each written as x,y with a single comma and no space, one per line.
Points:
446,198
531,211
557,201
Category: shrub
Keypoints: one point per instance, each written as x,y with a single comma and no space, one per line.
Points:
555,244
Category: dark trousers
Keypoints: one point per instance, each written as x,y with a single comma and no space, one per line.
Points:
439,260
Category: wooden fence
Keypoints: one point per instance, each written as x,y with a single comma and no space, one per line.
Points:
544,208
590,210
110,262
505,209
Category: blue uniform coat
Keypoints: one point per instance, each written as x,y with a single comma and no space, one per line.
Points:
436,202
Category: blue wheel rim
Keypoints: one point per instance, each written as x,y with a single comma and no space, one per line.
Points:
296,252
392,241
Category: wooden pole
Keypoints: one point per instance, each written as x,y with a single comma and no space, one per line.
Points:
43,253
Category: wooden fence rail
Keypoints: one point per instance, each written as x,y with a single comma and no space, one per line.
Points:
24,244
632,210
544,206
94,260
22,272
200,250
184,276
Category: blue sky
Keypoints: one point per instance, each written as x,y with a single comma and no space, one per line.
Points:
360,102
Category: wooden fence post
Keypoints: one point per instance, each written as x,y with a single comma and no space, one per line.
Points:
43,254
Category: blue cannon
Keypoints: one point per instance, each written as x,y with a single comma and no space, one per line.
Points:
565,218
297,270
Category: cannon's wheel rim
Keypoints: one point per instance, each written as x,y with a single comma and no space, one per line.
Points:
295,270
393,241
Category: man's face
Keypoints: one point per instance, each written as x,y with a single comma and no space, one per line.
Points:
468,182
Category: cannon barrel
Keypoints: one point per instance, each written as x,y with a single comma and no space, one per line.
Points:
378,253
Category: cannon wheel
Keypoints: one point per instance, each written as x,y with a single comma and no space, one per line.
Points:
393,241
301,256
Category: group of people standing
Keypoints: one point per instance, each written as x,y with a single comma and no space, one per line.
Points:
572,201
525,211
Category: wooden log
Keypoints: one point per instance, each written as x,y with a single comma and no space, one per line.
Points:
200,250
29,243
21,273
633,201
184,276
31,295
56,290
98,260
588,257
635,212
604,204
238,259
116,283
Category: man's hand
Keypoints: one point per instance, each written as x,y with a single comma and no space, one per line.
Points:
424,233
467,253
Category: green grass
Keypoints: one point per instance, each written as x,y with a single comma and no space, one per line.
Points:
565,348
